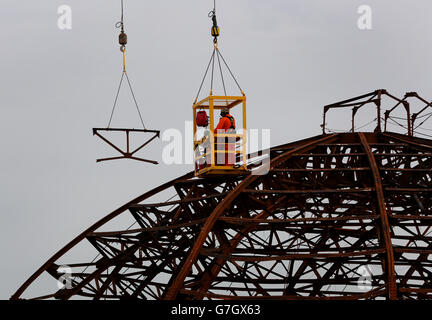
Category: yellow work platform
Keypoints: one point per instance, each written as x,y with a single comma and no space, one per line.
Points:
207,149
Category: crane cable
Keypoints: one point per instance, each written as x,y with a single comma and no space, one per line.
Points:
215,33
123,42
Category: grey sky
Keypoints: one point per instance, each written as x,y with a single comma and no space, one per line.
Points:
290,56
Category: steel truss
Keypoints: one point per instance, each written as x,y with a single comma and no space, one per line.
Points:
330,206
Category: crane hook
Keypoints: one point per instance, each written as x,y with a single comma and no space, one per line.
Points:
215,32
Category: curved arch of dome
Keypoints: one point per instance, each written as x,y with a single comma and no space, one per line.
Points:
91,229
209,277
285,151
222,206
50,262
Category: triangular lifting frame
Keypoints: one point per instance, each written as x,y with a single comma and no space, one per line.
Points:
128,154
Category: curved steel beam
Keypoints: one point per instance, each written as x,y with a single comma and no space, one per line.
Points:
112,215
177,284
415,141
79,238
390,265
209,277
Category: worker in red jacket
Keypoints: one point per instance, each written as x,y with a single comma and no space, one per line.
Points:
226,125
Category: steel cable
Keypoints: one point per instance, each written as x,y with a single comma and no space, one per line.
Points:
115,101
205,74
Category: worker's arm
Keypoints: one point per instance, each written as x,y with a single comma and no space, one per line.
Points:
222,124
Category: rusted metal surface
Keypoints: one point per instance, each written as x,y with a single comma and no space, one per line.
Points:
411,127
289,234
329,206
385,227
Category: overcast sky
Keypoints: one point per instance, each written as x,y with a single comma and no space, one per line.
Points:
290,56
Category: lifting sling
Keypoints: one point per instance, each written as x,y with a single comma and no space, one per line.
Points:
130,152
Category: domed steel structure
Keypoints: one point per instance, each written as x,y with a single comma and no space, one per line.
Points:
336,216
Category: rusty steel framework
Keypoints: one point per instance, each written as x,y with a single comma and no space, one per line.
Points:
329,206
376,98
